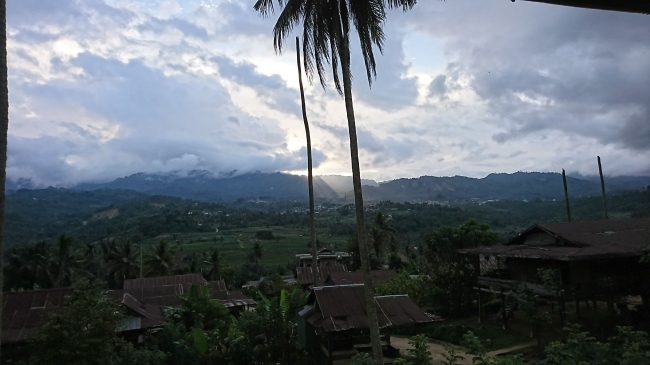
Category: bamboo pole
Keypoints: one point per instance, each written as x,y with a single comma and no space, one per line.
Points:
602,186
566,197
310,177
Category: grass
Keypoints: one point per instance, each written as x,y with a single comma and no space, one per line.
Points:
235,244
493,337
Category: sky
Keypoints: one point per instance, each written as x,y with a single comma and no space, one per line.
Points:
101,89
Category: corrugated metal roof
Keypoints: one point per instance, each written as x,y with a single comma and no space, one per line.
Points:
343,307
24,312
356,277
401,310
164,280
578,241
167,290
305,276
631,6
152,315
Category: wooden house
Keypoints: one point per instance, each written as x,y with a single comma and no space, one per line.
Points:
333,326
595,260
356,277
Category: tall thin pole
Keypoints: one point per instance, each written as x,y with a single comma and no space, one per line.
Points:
141,243
566,197
310,177
602,186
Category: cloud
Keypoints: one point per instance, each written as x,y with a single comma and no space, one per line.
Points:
101,89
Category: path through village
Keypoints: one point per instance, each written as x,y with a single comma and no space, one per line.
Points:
437,350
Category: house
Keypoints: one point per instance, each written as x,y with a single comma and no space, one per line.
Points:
595,260
23,313
333,325
356,277
325,257
167,290
632,6
305,276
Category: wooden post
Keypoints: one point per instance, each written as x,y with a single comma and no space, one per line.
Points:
477,264
566,197
504,317
602,186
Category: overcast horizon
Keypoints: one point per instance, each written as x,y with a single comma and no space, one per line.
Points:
104,89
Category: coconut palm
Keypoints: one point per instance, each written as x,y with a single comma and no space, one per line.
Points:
213,262
123,262
66,262
310,176
256,253
4,125
326,30
161,259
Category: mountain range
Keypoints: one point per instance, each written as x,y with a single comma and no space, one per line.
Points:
201,185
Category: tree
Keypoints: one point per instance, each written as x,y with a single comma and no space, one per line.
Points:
383,235
256,252
66,262
4,126
82,331
123,261
326,29
161,259
213,262
452,274
310,177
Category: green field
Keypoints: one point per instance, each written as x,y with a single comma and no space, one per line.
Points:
237,243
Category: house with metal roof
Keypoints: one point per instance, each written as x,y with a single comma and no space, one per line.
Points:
333,325
356,277
630,6
595,260
325,257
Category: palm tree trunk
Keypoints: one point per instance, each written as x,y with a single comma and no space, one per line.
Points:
358,202
4,125
310,177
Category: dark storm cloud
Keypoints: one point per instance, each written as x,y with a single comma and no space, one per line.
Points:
167,123
540,68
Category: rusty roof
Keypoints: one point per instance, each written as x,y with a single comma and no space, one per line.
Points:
166,291
630,6
152,315
343,307
305,276
164,280
356,277
24,312
577,241
236,299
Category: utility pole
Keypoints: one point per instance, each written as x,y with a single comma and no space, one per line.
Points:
602,186
141,243
566,197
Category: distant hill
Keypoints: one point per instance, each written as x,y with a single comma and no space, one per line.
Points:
517,186
203,186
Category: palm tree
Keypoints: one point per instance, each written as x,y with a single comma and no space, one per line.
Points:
4,125
124,261
66,262
213,262
161,259
256,252
310,176
326,29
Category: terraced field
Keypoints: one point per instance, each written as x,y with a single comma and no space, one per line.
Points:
236,243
